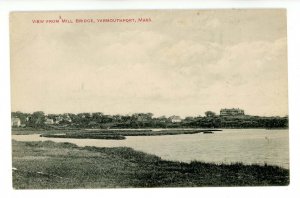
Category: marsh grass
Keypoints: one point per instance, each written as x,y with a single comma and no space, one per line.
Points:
80,135
115,134
109,134
43,165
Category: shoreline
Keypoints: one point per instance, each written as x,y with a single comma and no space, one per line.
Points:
121,134
35,163
25,131
110,134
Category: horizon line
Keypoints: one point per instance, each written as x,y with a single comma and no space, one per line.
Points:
130,114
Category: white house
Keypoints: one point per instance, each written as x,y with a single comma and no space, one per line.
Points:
49,121
15,122
175,119
232,112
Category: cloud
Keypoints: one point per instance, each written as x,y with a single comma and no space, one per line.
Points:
180,64
252,75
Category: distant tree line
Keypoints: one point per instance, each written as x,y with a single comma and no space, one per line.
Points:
144,120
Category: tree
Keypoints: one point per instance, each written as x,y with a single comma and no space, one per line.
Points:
37,119
210,114
97,117
22,116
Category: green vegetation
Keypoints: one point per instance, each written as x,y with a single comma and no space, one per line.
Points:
43,165
38,120
106,134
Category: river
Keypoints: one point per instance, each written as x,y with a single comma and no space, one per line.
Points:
249,146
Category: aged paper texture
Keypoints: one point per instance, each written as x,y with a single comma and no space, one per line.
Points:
149,98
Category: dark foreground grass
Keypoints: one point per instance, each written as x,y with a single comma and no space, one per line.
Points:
43,165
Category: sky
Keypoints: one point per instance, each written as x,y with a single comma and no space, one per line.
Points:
181,63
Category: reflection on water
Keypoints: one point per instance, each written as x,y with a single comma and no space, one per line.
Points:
230,145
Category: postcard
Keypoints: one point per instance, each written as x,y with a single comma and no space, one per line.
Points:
149,98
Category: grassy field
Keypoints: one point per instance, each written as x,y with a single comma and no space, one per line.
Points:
43,165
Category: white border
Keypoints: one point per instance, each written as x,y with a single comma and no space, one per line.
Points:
293,8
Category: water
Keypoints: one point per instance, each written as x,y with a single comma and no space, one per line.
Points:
249,146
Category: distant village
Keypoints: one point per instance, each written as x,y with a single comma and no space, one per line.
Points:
228,118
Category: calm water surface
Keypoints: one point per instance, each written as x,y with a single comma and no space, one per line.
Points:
248,146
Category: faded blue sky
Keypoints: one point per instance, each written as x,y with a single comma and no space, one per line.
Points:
182,63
